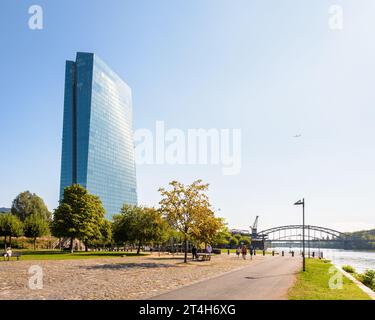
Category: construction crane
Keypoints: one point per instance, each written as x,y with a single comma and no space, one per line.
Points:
254,233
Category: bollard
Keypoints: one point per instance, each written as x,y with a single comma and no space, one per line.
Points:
255,252
282,253
313,254
292,253
228,251
273,253
264,252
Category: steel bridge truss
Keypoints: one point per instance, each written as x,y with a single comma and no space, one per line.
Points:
294,233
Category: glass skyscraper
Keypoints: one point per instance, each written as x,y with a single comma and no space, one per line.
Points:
97,144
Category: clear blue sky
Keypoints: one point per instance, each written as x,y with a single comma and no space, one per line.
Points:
272,68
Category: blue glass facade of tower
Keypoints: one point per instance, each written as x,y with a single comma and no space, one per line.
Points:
97,146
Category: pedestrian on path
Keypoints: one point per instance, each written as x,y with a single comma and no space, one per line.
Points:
244,252
194,252
238,252
209,249
251,253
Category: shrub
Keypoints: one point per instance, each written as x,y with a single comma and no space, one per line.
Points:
368,278
348,269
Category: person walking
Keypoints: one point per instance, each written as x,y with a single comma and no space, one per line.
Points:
194,252
251,253
244,252
209,249
238,252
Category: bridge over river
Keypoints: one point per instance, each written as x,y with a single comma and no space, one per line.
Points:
315,236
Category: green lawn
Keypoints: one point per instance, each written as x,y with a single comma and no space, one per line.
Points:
314,284
226,251
60,255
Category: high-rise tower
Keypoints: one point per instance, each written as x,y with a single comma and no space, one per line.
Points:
97,146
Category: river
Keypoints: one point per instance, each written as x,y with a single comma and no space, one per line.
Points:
360,260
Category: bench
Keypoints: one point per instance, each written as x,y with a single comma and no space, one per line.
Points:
14,255
204,256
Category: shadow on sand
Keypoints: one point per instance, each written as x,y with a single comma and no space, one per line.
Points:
167,258
270,276
118,266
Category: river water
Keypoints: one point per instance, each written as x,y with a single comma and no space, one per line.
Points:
360,260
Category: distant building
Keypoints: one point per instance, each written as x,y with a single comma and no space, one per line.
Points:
242,232
97,145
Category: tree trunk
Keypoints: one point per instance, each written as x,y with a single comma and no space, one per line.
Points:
86,247
71,245
186,250
139,246
5,242
34,243
10,241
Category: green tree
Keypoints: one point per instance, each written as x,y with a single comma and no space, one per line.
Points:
222,237
105,235
245,240
237,236
27,203
184,208
208,227
35,226
106,232
10,226
233,241
174,237
140,225
368,278
79,215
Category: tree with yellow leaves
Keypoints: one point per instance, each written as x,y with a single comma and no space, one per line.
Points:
188,210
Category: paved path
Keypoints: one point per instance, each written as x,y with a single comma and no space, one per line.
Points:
266,279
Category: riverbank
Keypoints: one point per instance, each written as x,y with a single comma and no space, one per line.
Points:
359,259
323,281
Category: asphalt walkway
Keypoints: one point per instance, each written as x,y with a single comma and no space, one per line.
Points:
266,279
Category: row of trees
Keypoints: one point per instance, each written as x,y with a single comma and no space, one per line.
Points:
29,216
184,213
238,239
140,225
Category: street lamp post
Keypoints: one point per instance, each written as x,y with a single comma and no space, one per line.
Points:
298,203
